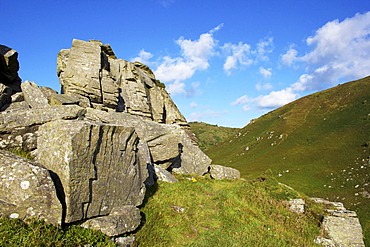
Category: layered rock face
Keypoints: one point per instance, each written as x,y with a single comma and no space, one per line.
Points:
97,144
99,166
91,72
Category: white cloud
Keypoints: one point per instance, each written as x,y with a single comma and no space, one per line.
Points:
271,100
263,47
179,88
266,73
290,56
266,86
276,98
176,88
241,100
340,50
240,56
199,116
193,105
143,57
195,56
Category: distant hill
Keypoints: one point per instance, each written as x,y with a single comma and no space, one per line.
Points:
208,134
319,144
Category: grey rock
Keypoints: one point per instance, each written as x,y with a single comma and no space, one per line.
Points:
98,166
129,241
5,94
90,71
27,190
48,93
341,226
9,67
16,106
18,128
121,219
63,99
221,172
324,241
344,231
170,145
11,120
33,95
178,209
164,175
17,97
297,205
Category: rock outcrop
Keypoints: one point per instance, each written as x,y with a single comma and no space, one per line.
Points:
96,145
91,72
9,79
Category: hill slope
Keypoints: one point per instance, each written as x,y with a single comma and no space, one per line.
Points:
206,212
208,134
318,144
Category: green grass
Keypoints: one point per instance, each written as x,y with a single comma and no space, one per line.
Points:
23,153
208,134
317,144
224,213
14,232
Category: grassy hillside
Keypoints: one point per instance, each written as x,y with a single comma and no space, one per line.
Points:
208,134
205,212
318,144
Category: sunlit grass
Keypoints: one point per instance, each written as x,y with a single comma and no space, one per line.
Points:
224,213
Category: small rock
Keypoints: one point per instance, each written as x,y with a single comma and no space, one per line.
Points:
178,208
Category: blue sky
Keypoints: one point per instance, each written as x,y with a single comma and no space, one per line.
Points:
223,62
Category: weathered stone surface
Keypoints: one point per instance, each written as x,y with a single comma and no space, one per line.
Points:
297,205
98,165
5,94
27,190
129,241
48,92
90,71
11,120
9,67
222,172
33,95
164,175
18,128
63,99
170,145
15,106
121,219
341,226
344,231
17,97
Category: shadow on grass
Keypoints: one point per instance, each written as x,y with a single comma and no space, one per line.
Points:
150,191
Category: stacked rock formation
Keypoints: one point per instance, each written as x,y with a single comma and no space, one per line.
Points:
97,145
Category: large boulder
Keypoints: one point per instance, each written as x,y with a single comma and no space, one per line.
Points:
18,128
9,79
171,146
91,72
99,167
222,172
27,190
